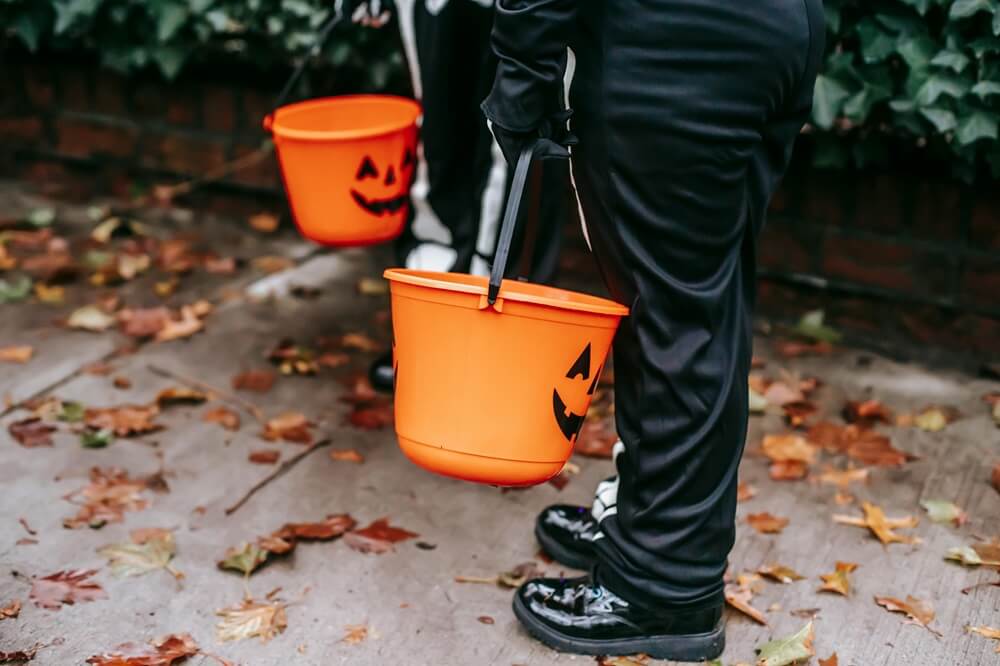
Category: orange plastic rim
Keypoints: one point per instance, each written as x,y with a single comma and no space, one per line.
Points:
347,164
494,394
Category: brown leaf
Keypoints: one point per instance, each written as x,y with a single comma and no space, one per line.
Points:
124,420
780,573
271,264
765,523
330,527
179,395
881,526
919,612
292,358
16,354
519,575
739,597
219,265
333,360
745,491
779,393
830,661
31,432
359,390
354,634
347,455
596,439
377,538
829,436
189,323
143,322
121,382
867,412
260,381
839,581
361,342
225,417
842,478
995,478
251,618
18,656
987,632
264,456
871,448
485,619
163,651
264,222
374,415
789,447
792,349
65,587
797,413
290,427
106,498
372,286
11,610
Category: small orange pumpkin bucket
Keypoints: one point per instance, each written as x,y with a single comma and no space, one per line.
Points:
347,164
494,378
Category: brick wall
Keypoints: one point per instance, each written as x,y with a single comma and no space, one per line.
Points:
903,251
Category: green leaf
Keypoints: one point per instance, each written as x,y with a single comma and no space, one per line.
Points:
917,51
978,125
920,5
964,555
984,89
170,59
832,13
859,105
942,119
70,12
244,558
199,6
12,292
956,60
941,84
71,412
965,8
876,45
787,650
811,326
42,217
96,439
170,20
135,559
29,29
828,100
942,511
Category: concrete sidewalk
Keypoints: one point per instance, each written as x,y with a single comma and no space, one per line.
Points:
414,610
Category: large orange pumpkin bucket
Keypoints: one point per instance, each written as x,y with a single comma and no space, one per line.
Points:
347,162
494,378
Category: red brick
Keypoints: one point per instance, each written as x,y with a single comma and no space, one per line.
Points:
823,197
182,104
981,283
89,138
936,210
21,130
109,93
869,261
878,202
985,224
219,108
183,153
149,100
39,85
787,247
74,89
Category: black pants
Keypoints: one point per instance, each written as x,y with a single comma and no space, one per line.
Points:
686,112
462,179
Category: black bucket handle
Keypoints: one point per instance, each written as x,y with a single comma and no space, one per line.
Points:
511,211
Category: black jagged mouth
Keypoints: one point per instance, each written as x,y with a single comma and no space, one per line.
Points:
380,206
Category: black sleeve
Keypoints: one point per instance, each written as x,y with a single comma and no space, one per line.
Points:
530,39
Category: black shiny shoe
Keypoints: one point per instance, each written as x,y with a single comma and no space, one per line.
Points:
382,375
579,616
566,533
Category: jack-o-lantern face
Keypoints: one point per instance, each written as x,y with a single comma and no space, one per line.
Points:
577,392
385,190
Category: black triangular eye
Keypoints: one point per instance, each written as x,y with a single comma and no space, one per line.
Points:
367,169
390,176
407,159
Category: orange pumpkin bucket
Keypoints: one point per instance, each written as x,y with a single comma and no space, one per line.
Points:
347,164
494,378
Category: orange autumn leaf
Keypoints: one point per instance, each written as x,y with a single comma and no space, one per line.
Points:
839,581
596,439
354,633
16,354
163,651
264,456
832,660
65,587
110,493
789,447
143,322
986,632
739,597
871,448
259,381
829,436
347,455
798,412
225,417
917,611
289,426
264,222
881,526
11,610
31,432
377,538
765,523
780,573
124,420
779,393
190,322
788,470
867,412
745,491
842,478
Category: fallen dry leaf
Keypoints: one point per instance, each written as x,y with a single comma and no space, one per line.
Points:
839,581
871,448
881,526
347,455
485,619
264,222
225,417
180,395
377,538
106,498
90,318
19,656
163,651
788,470
249,556
789,447
361,342
995,478
143,322
244,558
372,286
832,660
919,612
292,358
842,478
354,633
969,556
290,427
942,511
739,597
124,420
121,382
250,618
190,322
65,587
765,523
867,412
779,573
799,412
745,491
271,264
779,393
11,610
935,418
146,552
788,650
264,456
793,349
16,353
31,432
595,439
260,381
373,415
987,632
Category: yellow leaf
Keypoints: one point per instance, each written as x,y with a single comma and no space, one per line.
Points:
17,353
251,618
988,632
264,222
839,581
919,612
135,559
881,526
780,573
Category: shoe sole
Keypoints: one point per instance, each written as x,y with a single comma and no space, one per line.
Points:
560,553
689,647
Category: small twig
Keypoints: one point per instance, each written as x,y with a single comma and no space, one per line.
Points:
281,469
221,171
225,395
26,526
